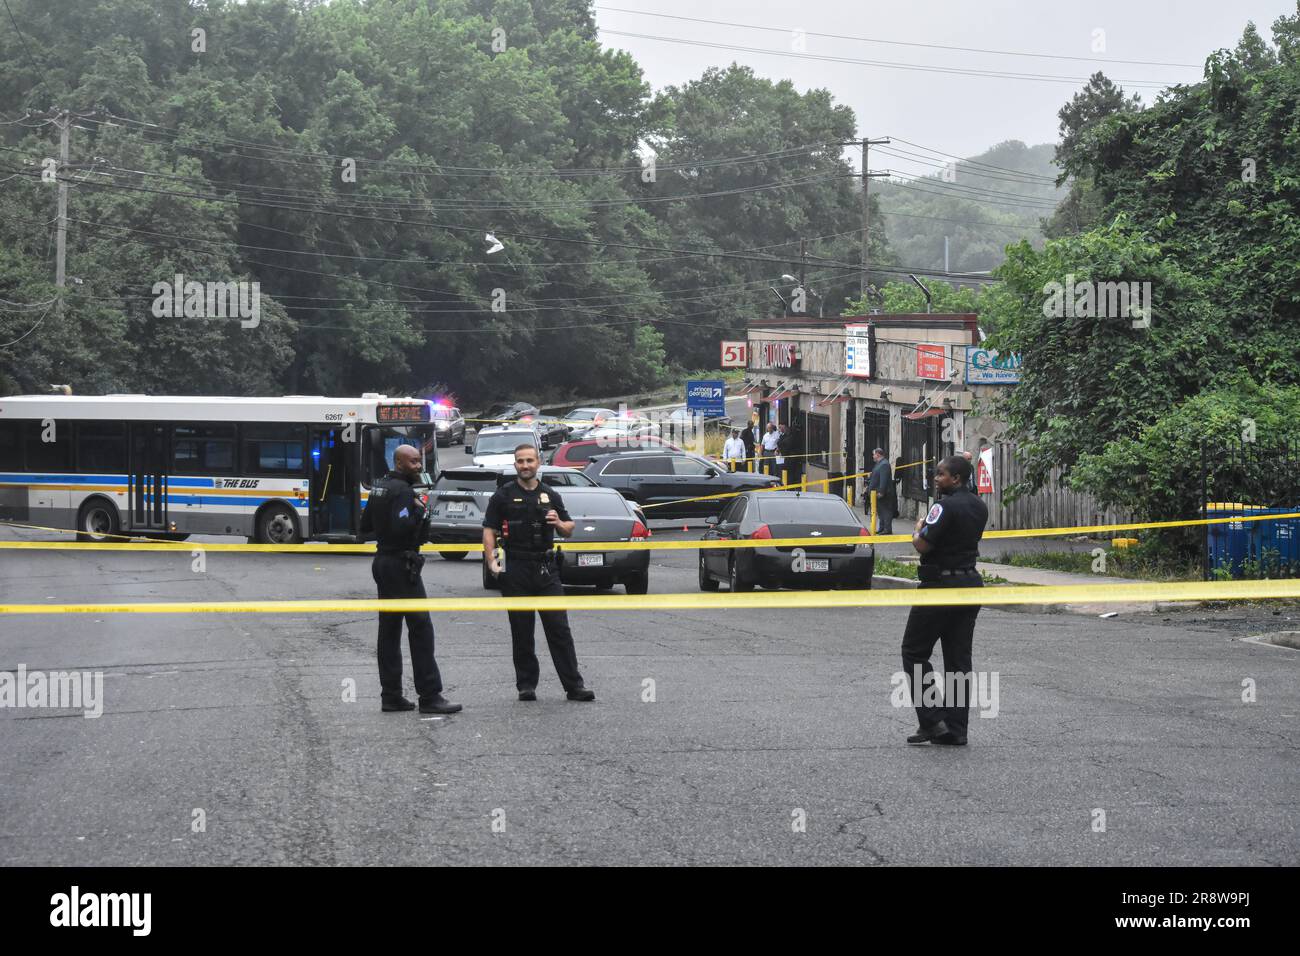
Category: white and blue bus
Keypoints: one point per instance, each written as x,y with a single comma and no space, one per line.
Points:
276,470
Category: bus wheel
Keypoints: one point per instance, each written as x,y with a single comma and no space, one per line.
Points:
98,521
277,525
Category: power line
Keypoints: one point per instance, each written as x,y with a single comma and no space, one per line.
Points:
954,71
931,46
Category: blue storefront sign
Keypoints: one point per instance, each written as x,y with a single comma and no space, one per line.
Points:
708,396
988,367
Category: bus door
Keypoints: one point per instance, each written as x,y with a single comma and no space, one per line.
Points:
147,485
334,481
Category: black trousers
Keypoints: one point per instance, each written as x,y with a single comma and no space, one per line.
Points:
528,577
954,629
394,581
885,516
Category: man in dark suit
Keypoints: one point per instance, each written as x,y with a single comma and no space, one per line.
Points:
881,481
747,436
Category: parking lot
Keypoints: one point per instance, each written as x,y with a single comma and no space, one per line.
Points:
746,736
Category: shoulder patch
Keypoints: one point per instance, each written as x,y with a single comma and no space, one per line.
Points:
935,513
404,513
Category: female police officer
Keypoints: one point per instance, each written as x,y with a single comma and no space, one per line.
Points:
528,515
947,538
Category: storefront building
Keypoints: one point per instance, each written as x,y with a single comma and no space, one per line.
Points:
917,386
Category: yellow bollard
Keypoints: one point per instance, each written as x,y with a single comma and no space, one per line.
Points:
785,477
874,524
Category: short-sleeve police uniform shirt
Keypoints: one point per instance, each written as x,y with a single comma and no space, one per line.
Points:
521,514
953,527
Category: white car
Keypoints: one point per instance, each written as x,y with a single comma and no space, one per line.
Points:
495,447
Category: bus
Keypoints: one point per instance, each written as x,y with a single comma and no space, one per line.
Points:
275,470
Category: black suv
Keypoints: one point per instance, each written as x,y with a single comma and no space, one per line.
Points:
661,482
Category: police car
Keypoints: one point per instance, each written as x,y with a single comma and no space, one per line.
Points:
494,447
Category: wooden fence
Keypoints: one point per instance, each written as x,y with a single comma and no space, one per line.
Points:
1053,506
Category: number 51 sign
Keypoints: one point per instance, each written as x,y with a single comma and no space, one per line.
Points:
735,354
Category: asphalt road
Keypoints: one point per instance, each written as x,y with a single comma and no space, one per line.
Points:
759,720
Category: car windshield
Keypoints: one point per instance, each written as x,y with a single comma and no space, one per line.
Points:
588,505
441,414
804,511
500,444
465,481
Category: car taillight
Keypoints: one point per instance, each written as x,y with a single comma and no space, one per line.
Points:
863,533
640,532
762,531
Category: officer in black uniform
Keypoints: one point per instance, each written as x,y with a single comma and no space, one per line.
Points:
527,515
397,517
947,538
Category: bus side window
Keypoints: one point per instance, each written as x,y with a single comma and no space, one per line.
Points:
45,455
101,447
10,459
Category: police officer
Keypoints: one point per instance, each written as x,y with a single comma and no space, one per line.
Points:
947,538
397,517
527,515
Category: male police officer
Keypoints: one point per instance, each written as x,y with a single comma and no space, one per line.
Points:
947,538
527,515
396,517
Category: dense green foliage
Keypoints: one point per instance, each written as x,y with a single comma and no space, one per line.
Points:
1220,250
462,117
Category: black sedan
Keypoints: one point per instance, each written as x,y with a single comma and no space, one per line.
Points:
600,514
787,514
673,484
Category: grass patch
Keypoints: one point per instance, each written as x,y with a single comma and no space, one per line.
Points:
907,569
1143,562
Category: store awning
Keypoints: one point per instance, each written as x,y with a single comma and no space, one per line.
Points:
838,393
928,413
782,394
749,388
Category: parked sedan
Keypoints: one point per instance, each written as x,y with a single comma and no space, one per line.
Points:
787,514
552,430
508,412
674,484
600,514
582,419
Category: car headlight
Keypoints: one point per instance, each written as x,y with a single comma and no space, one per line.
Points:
442,426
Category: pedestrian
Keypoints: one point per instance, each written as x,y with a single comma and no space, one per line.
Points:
527,514
971,486
782,447
792,447
749,437
771,438
947,538
733,450
396,517
881,481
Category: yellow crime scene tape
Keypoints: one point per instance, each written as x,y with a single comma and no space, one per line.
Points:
945,597
320,548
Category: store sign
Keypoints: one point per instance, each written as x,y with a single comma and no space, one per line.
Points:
735,354
857,350
932,362
775,355
988,367
984,472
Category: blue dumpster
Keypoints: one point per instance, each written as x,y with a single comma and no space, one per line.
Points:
1272,548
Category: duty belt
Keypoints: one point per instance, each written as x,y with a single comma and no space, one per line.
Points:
531,555
953,572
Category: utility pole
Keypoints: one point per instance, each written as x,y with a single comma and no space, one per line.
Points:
64,122
803,262
945,254
867,176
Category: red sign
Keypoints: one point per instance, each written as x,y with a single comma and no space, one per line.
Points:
984,472
735,354
932,362
776,355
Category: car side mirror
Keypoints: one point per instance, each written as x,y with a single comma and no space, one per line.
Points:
711,520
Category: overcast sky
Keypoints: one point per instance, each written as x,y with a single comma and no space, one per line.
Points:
958,114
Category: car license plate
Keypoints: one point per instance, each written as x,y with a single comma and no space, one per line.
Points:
591,560
455,507
817,564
